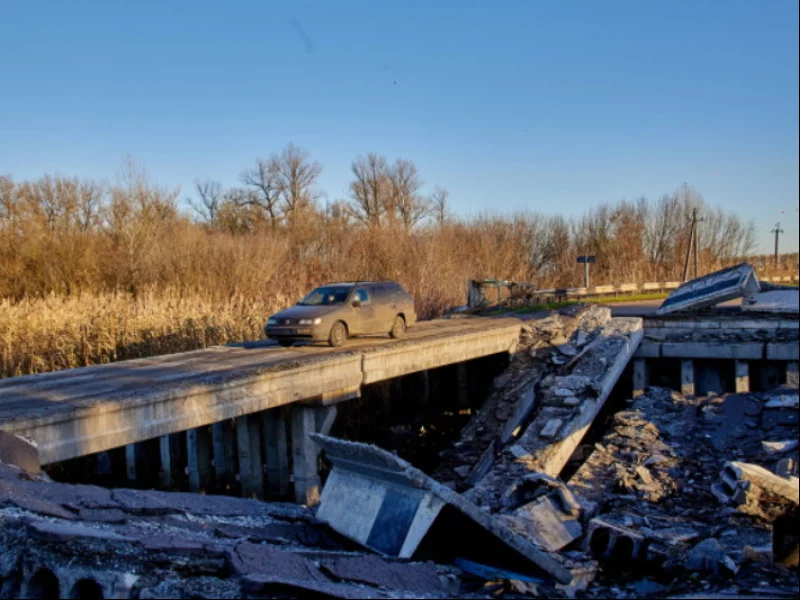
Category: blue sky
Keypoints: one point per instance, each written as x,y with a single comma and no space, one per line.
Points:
511,104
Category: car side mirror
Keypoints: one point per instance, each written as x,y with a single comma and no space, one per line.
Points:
356,303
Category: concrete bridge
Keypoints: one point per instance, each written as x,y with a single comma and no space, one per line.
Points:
91,410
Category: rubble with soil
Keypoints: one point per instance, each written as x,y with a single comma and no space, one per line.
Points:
651,481
146,544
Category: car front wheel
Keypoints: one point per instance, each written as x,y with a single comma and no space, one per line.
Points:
338,334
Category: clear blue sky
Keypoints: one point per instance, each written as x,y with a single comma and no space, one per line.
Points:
511,104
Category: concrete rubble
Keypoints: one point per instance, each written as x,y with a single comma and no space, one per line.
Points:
555,488
58,539
382,502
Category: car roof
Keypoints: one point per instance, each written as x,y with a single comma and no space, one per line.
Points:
354,283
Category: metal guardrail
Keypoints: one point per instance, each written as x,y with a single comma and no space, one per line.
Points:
560,294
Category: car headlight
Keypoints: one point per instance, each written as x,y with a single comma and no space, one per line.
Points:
272,321
316,321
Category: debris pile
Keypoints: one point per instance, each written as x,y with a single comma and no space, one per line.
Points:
546,343
146,544
659,492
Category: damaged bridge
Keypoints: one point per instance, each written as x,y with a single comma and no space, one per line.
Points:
238,391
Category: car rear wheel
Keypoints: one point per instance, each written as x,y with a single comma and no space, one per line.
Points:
398,327
338,334
285,343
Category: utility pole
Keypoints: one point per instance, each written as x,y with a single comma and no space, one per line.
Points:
777,231
688,254
694,244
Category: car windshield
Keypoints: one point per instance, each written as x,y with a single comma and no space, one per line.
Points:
325,296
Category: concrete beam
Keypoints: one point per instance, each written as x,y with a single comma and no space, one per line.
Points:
785,351
383,503
742,374
386,362
100,426
648,349
739,480
552,438
713,350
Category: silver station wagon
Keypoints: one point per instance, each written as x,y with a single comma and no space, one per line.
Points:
337,311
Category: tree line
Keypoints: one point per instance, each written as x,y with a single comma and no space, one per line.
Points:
273,236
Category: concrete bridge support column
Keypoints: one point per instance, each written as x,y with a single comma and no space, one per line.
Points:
166,460
424,387
130,462
248,442
103,464
462,385
305,453
687,378
198,447
277,452
222,440
742,376
792,375
639,376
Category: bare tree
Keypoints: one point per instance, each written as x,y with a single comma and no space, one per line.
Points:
7,199
138,213
296,178
265,180
369,190
404,200
91,195
210,196
440,205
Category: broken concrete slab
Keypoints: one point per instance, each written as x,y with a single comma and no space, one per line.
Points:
784,401
421,578
754,490
385,504
550,515
15,450
774,301
721,286
709,556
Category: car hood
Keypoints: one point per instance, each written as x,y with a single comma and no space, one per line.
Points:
306,312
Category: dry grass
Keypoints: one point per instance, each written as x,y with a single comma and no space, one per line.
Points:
66,332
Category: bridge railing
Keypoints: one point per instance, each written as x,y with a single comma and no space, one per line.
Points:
625,289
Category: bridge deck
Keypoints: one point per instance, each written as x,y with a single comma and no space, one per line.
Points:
82,411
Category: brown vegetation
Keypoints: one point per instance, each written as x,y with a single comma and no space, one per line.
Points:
93,272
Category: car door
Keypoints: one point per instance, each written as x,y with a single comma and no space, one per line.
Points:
365,316
384,308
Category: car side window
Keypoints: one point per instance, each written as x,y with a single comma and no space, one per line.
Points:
362,296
